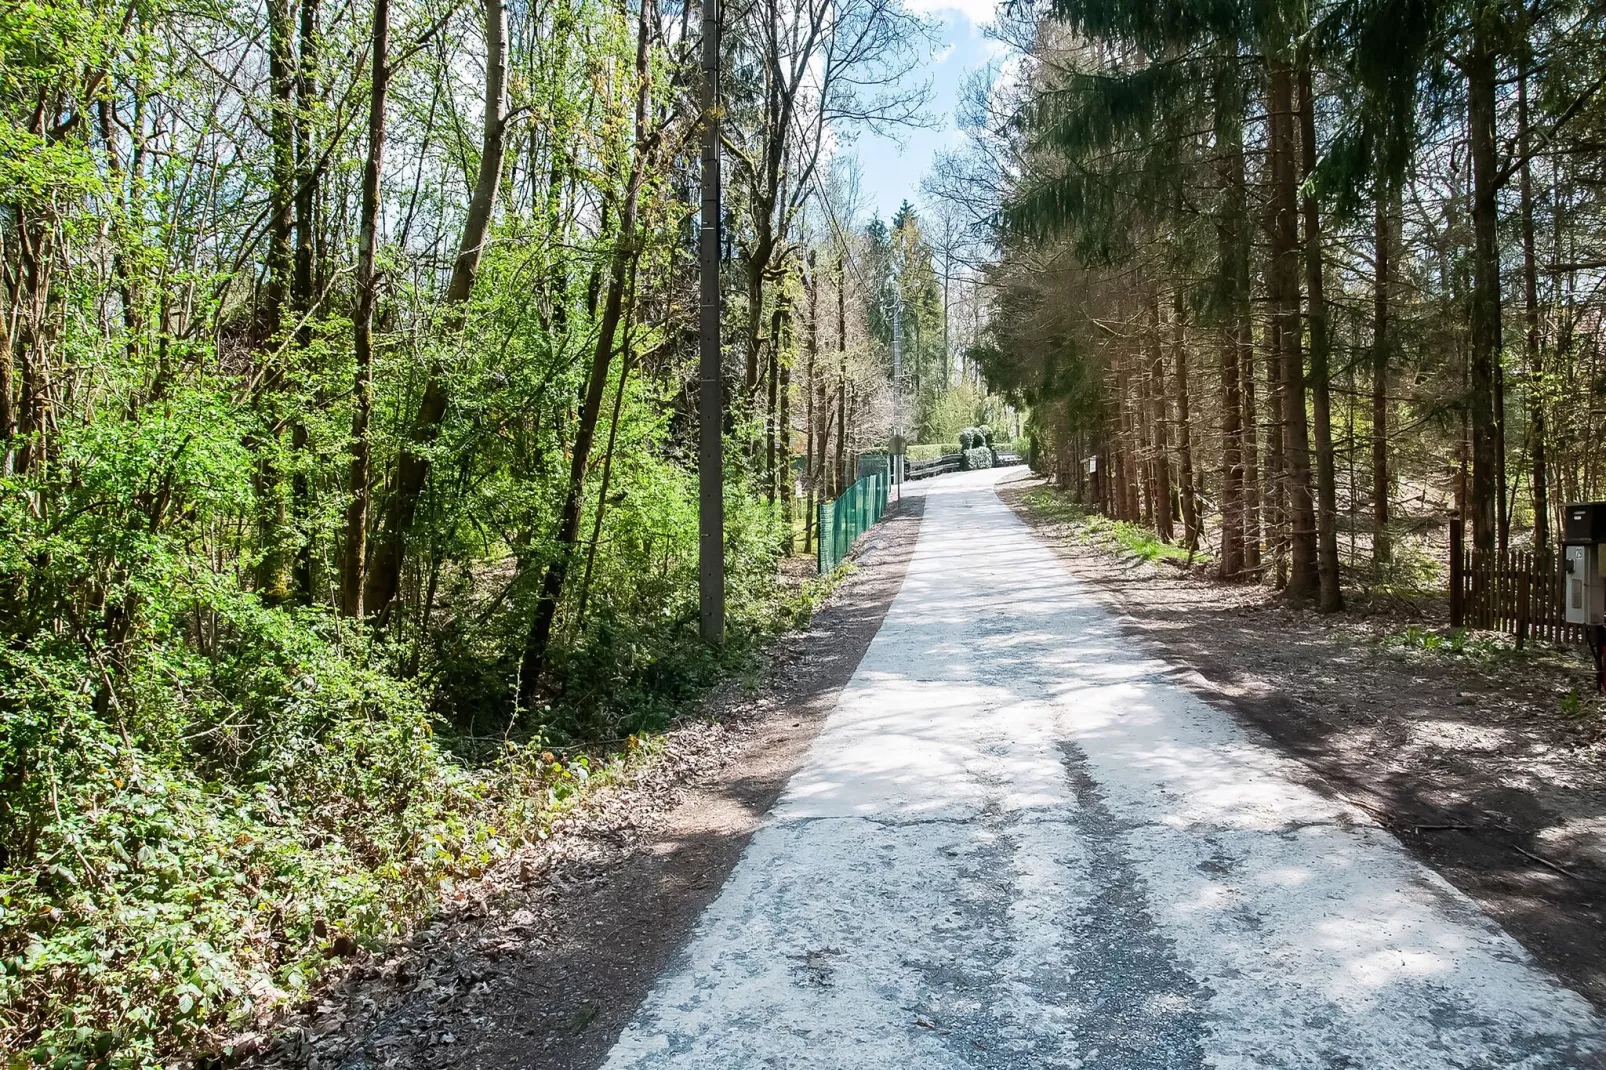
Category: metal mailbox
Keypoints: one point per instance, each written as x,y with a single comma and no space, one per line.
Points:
1584,539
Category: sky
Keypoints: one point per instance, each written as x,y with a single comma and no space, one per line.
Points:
892,171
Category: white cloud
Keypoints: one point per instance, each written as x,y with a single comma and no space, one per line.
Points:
976,12
942,54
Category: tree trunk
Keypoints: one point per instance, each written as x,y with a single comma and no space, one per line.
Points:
281,189
947,270
1275,497
1382,241
1330,599
308,175
1161,491
811,468
784,444
755,315
1229,237
274,576
119,226
1253,495
412,469
1533,352
8,422
1190,505
842,371
602,491
1485,312
356,543
1283,276
1241,310
546,607
1231,560
771,409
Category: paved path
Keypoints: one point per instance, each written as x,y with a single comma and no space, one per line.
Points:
1019,843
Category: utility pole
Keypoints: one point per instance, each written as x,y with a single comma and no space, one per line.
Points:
710,386
897,386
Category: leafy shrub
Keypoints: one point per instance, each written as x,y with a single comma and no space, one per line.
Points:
1098,530
975,438
943,413
976,458
204,796
154,891
1454,642
1412,568
930,452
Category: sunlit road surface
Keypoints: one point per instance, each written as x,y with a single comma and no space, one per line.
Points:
1019,843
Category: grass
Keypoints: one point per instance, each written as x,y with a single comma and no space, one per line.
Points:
1094,529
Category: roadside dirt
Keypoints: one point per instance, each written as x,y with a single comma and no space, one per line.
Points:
541,964
1471,761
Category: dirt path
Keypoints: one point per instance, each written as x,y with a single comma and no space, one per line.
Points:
543,962
1468,761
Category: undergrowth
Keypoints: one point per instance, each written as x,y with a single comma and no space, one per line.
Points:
1097,530
1451,642
270,789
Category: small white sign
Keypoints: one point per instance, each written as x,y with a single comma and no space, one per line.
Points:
1092,464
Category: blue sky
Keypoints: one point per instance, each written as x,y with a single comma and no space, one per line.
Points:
892,171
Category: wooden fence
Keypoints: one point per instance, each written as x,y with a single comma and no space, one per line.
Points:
1519,593
948,462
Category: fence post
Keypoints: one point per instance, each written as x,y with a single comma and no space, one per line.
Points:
1524,598
819,539
1456,565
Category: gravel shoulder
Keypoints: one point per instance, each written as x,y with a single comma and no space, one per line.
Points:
542,963
1473,763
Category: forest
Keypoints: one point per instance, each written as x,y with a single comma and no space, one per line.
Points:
1295,284
349,395
348,451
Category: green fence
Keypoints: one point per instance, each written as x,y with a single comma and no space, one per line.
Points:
849,516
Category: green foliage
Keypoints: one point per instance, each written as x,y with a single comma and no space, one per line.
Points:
1451,642
1414,568
202,792
1095,529
975,437
167,874
210,779
945,413
1134,539
930,451
976,458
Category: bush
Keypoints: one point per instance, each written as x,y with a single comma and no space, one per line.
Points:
156,891
976,458
945,411
930,452
205,798
975,438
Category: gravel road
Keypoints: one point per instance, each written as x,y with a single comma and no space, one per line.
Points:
1020,842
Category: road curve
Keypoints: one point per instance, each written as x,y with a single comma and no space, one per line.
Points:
1019,843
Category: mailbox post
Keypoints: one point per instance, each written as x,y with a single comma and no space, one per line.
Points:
1584,544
